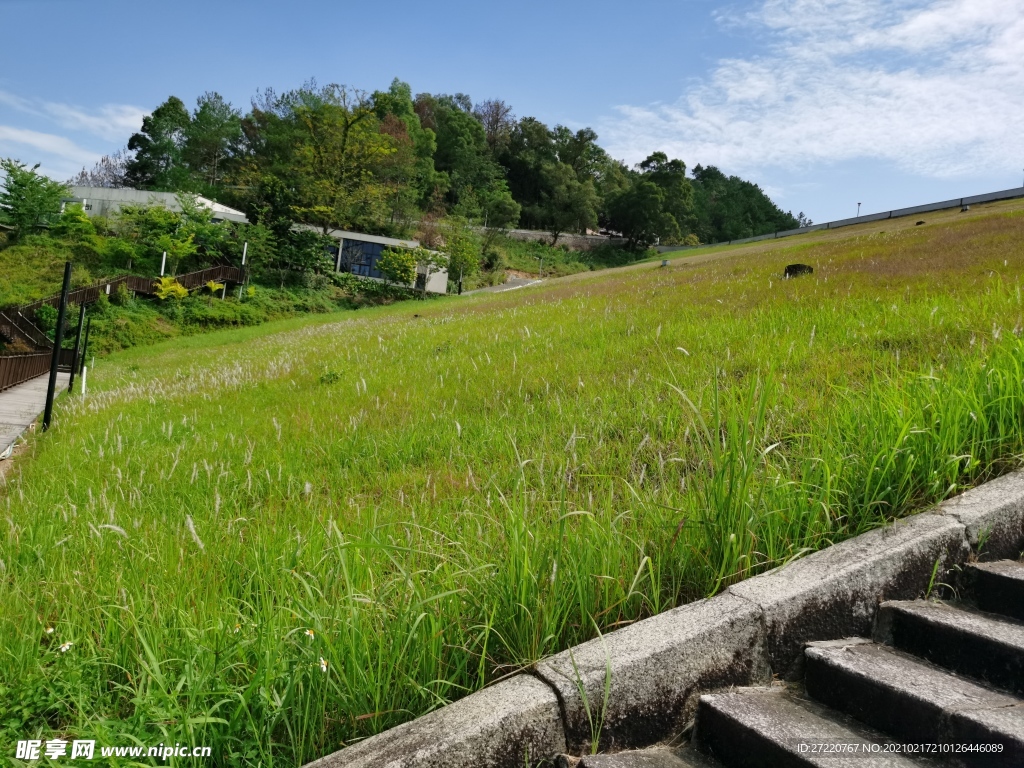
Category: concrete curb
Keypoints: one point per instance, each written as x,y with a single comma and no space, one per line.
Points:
835,592
655,669
513,723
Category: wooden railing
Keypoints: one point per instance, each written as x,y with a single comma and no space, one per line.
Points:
15,325
17,369
89,294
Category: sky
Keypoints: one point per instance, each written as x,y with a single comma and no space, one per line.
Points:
824,103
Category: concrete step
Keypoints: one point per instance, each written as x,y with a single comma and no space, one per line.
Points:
656,757
914,701
771,728
985,646
999,587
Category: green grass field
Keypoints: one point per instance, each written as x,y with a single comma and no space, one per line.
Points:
277,540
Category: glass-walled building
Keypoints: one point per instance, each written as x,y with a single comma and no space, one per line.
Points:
358,253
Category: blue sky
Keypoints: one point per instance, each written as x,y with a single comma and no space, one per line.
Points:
825,103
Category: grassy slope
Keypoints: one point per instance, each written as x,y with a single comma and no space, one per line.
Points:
442,493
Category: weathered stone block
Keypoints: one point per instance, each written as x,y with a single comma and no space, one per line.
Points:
656,668
993,515
835,593
508,725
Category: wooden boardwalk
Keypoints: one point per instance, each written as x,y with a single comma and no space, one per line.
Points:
20,406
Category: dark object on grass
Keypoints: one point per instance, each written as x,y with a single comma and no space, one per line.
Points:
795,270
919,223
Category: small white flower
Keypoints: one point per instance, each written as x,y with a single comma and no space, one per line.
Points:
66,647
238,628
323,664
310,632
49,630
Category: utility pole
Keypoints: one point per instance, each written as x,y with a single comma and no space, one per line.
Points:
858,209
78,346
58,339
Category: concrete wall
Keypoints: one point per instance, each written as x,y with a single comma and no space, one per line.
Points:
958,202
573,241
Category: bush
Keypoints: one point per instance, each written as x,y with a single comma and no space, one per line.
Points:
46,319
169,288
398,265
122,296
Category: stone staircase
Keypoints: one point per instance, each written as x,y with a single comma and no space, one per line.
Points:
939,684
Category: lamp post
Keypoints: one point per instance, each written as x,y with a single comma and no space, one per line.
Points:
858,209
541,272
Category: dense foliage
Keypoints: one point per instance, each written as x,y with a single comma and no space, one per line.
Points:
337,157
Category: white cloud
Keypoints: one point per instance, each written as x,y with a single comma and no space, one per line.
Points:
50,143
60,157
931,86
111,122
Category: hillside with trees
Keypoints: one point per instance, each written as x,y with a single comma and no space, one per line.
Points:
454,174
383,162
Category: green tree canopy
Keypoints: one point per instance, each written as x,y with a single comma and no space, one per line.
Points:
157,163
398,265
28,200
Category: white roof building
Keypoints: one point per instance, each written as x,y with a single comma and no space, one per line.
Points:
104,201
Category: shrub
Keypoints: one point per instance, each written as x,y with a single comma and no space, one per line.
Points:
169,288
122,296
398,265
46,319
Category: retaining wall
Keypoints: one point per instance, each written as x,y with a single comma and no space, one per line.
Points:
660,666
573,241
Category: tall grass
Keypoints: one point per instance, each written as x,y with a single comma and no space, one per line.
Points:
274,543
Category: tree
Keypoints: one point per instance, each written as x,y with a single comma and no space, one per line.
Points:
529,151
498,121
211,139
567,204
341,149
157,162
729,208
398,265
677,191
462,153
423,177
499,212
111,171
639,214
460,249
28,200
300,251
578,150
